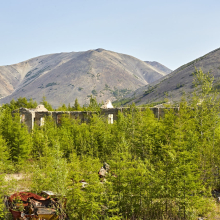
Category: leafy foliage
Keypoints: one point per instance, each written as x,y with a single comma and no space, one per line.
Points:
20,103
46,104
16,136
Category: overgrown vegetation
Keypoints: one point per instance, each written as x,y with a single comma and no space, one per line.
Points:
150,90
160,169
152,104
117,93
179,85
50,84
122,102
94,92
120,93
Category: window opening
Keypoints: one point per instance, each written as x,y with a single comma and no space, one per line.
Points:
110,118
42,120
22,118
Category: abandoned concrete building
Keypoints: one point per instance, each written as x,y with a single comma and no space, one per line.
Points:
37,116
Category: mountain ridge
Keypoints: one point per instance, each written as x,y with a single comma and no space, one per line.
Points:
62,77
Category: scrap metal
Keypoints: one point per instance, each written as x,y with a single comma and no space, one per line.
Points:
30,206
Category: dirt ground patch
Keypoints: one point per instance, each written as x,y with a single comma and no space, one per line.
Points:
17,182
14,176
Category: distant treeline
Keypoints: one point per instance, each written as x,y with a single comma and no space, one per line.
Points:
22,102
159,169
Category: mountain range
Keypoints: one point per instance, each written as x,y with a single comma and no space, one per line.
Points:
63,77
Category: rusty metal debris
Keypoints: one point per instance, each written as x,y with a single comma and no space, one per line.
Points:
30,206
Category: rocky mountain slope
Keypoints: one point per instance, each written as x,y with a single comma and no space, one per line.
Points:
173,86
63,77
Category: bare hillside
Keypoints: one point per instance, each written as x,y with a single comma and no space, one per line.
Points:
173,86
159,67
63,77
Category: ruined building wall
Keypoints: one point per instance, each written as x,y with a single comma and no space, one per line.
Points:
26,116
31,117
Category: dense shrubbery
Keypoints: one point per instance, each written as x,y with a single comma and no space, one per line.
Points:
163,167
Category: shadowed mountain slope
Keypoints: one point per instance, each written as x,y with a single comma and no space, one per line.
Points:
63,77
173,86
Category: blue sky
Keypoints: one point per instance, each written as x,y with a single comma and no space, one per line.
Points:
172,32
